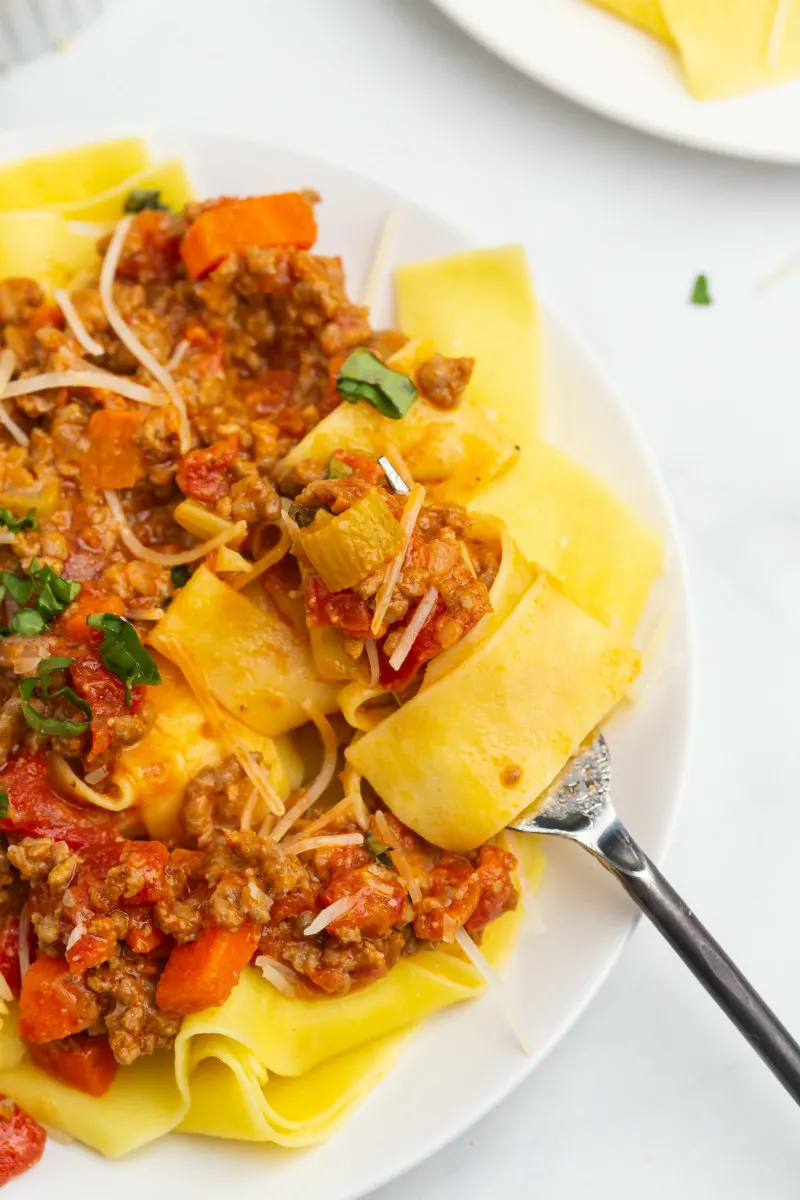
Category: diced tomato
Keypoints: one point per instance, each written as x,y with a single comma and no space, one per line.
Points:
9,952
270,393
90,951
54,1002
203,973
21,1141
92,599
46,316
426,646
35,810
380,901
152,248
345,609
362,467
454,891
85,1063
142,935
203,474
151,860
498,893
95,684
292,904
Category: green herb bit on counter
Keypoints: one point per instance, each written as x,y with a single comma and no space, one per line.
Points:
122,652
364,377
700,293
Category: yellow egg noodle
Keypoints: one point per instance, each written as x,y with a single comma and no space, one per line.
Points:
493,722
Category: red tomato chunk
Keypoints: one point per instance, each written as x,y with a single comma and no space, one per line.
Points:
21,1141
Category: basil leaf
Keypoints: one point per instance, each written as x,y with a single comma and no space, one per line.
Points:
52,726
28,622
54,593
18,588
179,576
3,803
18,524
302,516
139,199
122,652
700,293
364,377
377,849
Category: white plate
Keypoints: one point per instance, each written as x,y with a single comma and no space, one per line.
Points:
464,1061
600,61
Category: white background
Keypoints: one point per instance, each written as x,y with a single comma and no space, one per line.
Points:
652,1094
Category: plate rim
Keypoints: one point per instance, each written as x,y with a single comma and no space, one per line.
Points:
61,134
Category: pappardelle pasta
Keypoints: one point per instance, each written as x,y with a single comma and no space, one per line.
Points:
298,614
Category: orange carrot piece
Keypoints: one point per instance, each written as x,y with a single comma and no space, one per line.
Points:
54,1003
203,973
113,459
92,599
285,219
86,1064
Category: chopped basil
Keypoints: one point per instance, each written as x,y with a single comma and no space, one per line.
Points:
52,591
27,622
19,589
377,849
3,803
338,469
122,652
52,726
18,524
364,377
700,293
179,576
301,515
139,199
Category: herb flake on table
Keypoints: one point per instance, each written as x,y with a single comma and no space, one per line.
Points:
700,293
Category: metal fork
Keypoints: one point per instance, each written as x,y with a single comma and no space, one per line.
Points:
578,806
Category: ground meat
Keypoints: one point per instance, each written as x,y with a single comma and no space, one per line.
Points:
215,798
443,381
42,858
18,299
126,988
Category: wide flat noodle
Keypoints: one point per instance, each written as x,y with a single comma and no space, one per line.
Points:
562,516
68,176
154,773
169,179
453,454
481,304
646,14
254,663
522,702
262,1067
42,246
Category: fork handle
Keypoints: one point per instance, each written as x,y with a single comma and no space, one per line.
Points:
659,901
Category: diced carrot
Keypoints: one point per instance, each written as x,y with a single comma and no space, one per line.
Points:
231,227
92,599
203,973
84,1063
54,1003
113,459
21,1140
46,315
142,935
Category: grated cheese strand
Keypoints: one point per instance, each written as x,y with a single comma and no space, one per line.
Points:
777,32
139,550
282,978
178,354
398,857
128,337
7,364
332,913
90,378
495,985
76,325
312,793
304,844
407,524
273,556
414,628
23,942
380,256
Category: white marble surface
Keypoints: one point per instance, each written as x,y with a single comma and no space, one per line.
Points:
652,1093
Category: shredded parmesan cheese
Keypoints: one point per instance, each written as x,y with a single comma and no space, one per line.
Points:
128,337
304,844
282,978
7,538
777,32
144,614
23,944
351,805
91,378
407,524
139,550
495,985
273,556
178,355
220,722
414,628
332,913
77,933
372,658
5,991
7,364
380,257
76,325
312,793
